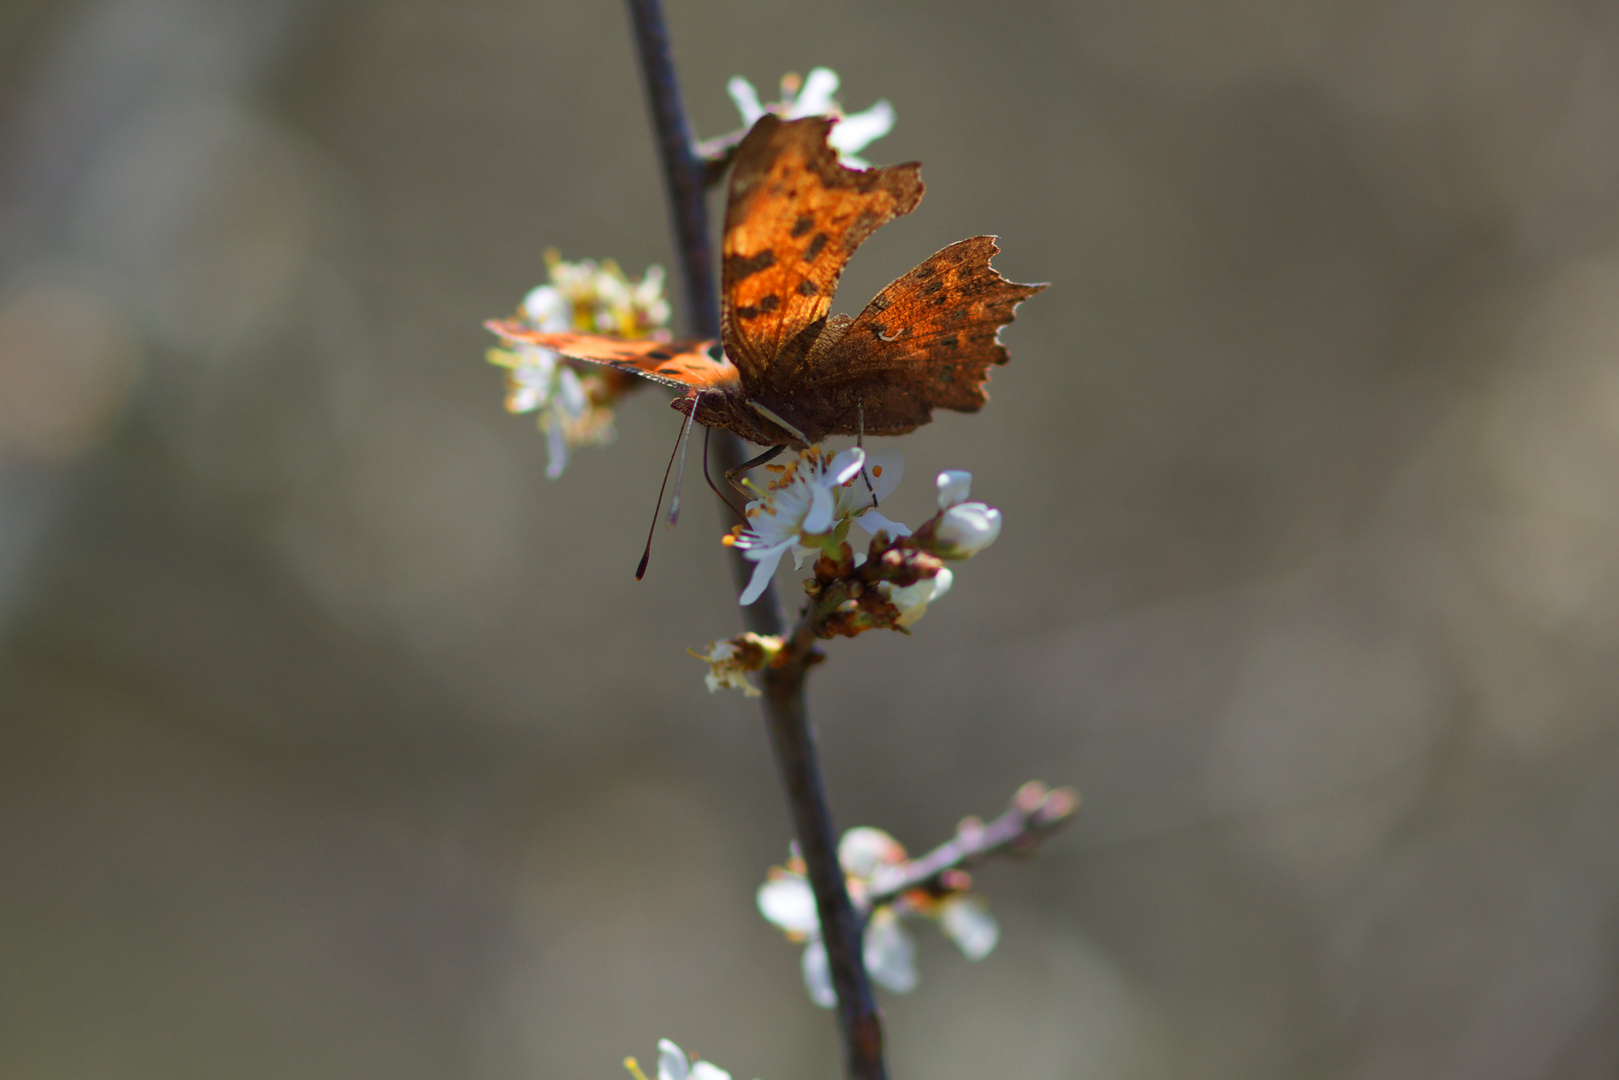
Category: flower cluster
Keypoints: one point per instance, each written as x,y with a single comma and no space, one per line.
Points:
865,854
808,510
728,661
809,507
813,96
674,1065
575,401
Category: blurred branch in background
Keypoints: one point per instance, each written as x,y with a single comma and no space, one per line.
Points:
1036,812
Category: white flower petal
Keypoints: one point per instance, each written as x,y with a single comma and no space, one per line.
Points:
966,921
846,465
862,850
525,394
789,903
890,953
746,98
556,447
967,529
873,523
767,559
815,99
818,976
705,1070
913,600
545,309
954,486
571,394
853,161
671,1061
858,130
819,518
886,468
535,365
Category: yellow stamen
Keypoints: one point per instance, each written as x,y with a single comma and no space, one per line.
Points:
635,1068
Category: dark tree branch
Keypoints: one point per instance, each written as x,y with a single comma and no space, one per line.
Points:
687,176
1035,813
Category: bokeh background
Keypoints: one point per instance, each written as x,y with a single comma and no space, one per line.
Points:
336,741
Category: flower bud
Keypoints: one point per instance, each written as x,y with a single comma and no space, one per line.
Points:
954,484
913,600
965,529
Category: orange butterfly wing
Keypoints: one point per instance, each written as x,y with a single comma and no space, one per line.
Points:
686,365
927,341
793,218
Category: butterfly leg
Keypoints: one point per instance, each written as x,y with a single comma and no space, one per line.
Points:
732,474
860,441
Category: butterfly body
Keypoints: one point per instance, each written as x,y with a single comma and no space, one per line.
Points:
787,374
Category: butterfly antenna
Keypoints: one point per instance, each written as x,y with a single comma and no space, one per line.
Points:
740,516
646,556
680,450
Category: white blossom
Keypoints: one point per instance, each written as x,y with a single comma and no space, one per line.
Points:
797,511
575,407
814,96
673,1064
857,502
964,528
865,854
965,919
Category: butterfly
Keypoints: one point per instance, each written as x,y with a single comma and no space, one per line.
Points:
784,373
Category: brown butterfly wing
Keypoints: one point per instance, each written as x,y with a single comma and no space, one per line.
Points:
681,364
926,342
793,218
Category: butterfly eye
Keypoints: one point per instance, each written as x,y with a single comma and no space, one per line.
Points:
716,353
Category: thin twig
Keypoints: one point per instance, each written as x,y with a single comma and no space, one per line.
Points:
793,739
1035,813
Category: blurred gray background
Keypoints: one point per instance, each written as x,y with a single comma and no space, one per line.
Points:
336,741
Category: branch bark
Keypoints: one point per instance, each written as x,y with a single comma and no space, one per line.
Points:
686,177
1035,813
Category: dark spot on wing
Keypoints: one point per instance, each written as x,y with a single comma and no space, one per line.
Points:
816,244
668,371
740,267
949,342
769,303
802,226
807,288
747,311
864,224
659,354
880,303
